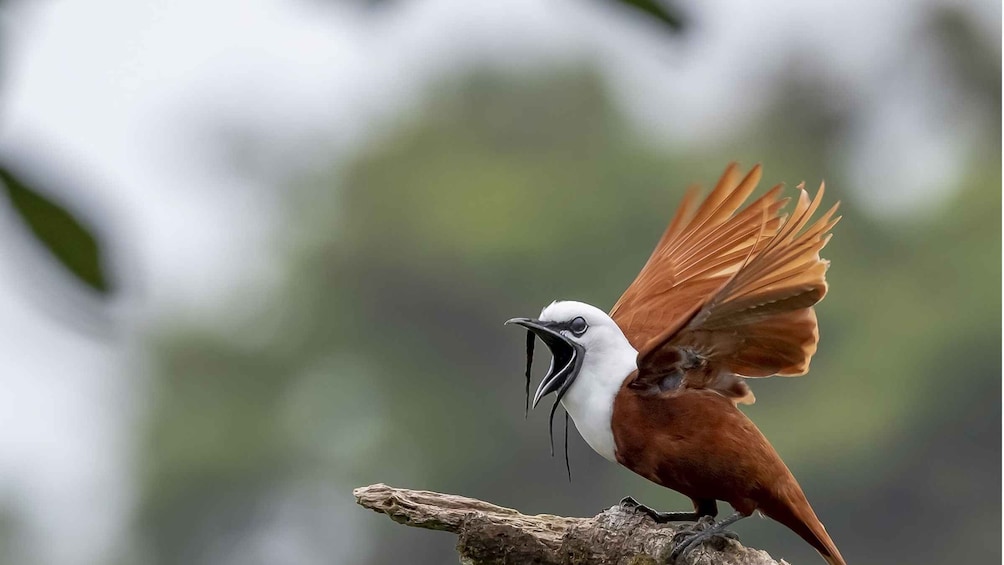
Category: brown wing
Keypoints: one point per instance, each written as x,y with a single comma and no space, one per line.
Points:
726,294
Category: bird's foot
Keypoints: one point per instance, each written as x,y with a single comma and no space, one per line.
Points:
658,517
705,529
629,502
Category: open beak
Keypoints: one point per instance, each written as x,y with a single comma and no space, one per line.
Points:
566,358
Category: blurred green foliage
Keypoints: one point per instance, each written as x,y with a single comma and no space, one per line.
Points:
381,355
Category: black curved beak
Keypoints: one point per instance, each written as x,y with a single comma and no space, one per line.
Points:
566,357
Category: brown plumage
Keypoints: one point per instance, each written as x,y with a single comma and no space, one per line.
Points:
726,294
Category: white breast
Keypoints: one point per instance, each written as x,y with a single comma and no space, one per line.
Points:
590,399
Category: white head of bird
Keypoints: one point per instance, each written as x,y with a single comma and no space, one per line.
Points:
590,358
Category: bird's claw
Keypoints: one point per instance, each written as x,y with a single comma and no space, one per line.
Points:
694,528
692,537
629,502
632,505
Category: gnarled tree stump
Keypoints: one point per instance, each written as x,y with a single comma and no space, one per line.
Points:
492,535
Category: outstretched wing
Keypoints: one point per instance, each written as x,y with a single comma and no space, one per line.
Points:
727,293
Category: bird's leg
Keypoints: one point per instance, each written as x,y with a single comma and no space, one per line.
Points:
688,544
659,517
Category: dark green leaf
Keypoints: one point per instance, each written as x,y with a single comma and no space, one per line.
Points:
666,12
72,244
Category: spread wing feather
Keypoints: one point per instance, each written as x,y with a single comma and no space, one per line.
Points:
728,293
702,247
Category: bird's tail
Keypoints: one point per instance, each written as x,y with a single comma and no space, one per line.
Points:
794,512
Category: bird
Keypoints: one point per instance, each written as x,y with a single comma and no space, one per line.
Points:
655,385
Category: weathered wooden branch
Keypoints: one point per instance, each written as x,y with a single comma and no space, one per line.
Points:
492,535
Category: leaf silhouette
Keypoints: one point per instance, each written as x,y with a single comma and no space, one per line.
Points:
667,13
69,241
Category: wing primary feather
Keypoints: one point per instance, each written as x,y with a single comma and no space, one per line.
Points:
734,238
723,236
763,227
794,218
715,203
722,294
809,244
681,217
803,212
802,248
771,257
734,231
708,268
813,206
726,185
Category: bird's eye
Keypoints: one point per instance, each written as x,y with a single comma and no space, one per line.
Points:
578,326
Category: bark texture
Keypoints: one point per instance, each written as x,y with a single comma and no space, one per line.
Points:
493,535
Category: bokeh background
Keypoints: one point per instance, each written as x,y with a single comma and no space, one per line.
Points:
257,253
